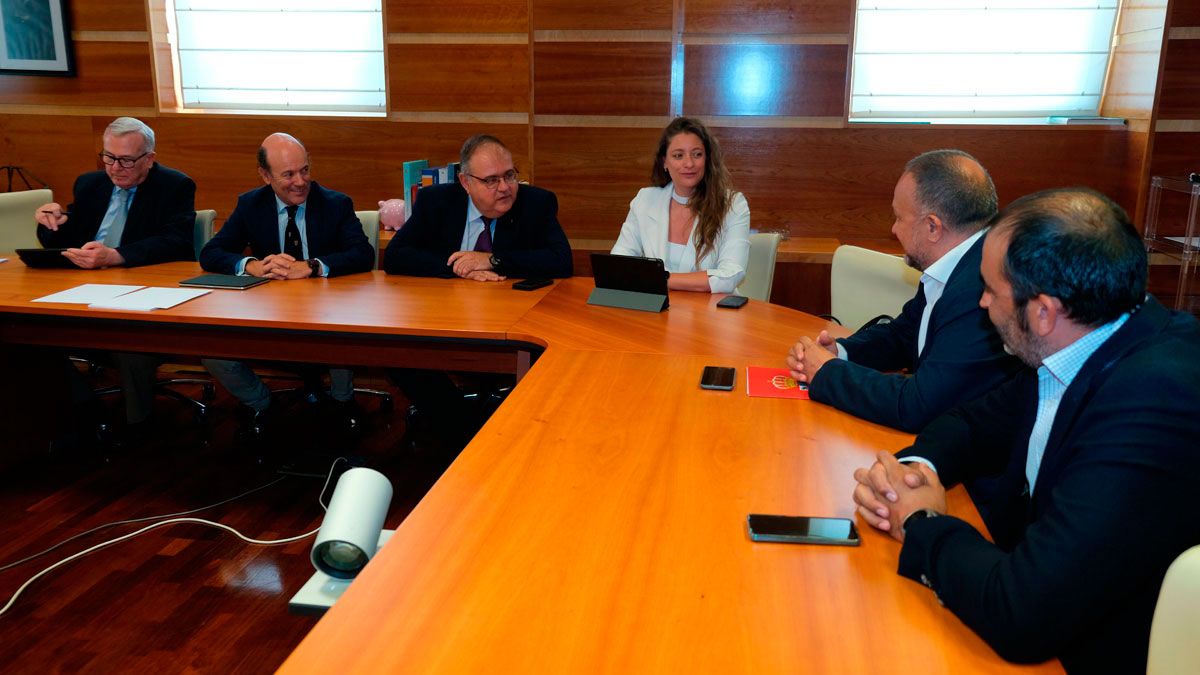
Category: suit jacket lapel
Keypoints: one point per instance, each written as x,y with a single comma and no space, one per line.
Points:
1146,321
314,221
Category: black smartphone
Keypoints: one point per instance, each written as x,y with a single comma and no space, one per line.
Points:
531,284
802,530
732,301
715,377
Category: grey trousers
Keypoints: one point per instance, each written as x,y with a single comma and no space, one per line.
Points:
247,387
138,373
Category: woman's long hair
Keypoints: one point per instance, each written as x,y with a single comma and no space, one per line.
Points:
710,201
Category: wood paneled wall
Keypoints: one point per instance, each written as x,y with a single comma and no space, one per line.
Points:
580,91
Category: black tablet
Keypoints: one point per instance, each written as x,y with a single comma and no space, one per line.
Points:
629,273
45,258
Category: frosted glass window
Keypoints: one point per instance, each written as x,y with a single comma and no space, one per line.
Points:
980,58
308,55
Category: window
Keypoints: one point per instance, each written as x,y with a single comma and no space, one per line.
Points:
980,58
314,55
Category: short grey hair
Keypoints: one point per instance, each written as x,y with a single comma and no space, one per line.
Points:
955,186
132,125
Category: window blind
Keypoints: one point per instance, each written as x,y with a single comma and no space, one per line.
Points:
313,55
977,58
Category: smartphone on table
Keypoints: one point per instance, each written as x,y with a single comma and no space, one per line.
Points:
802,530
715,377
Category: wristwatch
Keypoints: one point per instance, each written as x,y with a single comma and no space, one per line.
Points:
919,514
494,262
315,266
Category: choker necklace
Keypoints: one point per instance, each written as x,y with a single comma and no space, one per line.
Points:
678,199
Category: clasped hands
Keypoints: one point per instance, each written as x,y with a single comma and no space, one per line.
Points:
280,266
888,492
807,356
476,265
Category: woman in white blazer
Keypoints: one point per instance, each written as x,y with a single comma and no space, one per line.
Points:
692,219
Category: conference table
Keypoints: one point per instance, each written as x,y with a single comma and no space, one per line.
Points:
597,522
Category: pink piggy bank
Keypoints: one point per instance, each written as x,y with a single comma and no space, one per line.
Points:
391,214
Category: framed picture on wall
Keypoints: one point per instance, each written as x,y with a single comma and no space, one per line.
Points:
35,38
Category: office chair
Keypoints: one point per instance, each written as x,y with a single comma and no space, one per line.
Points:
867,286
1175,631
201,233
760,269
17,226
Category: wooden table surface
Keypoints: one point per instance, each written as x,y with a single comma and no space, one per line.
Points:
597,521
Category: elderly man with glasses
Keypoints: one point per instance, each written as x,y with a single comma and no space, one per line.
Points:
134,212
486,227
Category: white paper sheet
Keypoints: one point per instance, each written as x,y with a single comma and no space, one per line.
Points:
89,293
151,298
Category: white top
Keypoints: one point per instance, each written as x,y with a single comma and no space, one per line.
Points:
935,277
647,227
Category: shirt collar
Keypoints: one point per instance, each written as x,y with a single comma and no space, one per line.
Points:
280,206
1066,363
941,270
473,211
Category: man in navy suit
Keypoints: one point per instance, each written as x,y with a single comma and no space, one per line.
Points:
135,212
941,337
485,227
1096,450
295,229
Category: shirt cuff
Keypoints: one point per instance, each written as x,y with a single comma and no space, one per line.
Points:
324,267
240,268
919,460
842,353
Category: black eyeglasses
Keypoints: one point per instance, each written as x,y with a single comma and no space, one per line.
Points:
124,162
493,182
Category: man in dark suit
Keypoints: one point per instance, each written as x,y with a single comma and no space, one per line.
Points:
134,212
295,229
941,203
486,227
1096,450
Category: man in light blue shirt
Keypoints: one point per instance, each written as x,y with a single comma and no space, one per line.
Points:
1095,451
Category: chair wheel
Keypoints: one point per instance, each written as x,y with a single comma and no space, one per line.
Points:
209,392
386,405
199,416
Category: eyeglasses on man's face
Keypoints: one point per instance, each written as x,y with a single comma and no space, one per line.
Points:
493,182
124,162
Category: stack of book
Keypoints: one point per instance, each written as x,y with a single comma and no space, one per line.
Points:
418,174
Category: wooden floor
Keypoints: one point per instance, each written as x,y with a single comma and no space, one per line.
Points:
183,598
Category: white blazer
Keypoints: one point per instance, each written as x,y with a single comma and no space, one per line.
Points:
647,226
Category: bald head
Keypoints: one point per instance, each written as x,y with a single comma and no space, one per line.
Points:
956,187
283,164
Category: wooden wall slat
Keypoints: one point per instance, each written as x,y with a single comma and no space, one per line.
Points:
584,78
457,16
595,173
801,80
108,15
107,74
1180,97
838,182
459,78
362,158
53,148
1185,13
769,16
601,15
